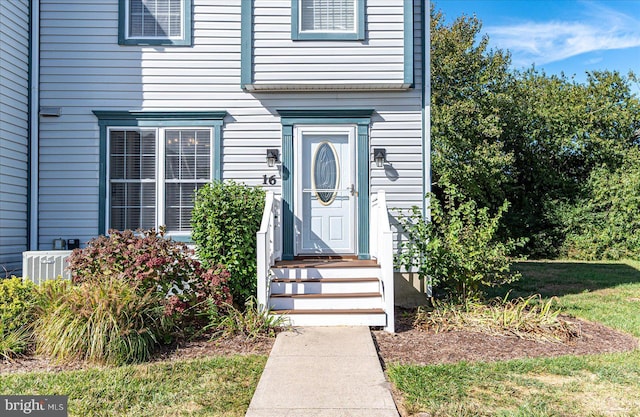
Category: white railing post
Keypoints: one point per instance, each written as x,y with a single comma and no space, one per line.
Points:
265,250
373,228
382,249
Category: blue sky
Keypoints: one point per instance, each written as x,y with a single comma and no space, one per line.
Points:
573,36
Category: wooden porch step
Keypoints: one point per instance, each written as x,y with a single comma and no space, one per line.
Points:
325,257
327,263
321,280
329,295
330,311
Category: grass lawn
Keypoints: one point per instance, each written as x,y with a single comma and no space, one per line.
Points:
596,385
218,386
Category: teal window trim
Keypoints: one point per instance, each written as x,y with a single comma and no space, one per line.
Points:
408,43
246,43
109,118
292,117
358,34
187,28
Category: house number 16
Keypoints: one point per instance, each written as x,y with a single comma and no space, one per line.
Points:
269,180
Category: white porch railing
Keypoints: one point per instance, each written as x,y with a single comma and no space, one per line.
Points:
381,246
269,249
269,245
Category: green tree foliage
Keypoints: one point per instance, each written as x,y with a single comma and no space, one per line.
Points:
559,131
468,90
225,220
458,250
606,223
532,139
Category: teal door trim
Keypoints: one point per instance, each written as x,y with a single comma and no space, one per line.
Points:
291,117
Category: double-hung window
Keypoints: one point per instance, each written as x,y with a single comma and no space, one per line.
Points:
155,22
327,19
154,174
152,164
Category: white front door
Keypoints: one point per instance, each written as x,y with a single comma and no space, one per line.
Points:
325,184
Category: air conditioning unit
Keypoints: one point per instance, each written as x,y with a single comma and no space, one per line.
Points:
39,266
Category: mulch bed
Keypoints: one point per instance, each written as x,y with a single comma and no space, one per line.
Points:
203,348
411,345
408,345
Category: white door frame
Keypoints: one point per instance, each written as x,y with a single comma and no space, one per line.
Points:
299,131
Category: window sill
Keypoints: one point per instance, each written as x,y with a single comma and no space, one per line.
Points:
298,86
155,42
327,36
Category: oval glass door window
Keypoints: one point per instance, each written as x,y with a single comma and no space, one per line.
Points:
325,173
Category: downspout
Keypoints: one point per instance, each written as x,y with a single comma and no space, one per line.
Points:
426,106
426,117
34,100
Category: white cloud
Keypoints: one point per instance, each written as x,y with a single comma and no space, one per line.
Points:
597,28
593,61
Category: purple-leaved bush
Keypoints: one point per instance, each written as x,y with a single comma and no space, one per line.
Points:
148,260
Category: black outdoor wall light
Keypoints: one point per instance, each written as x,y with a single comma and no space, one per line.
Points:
272,157
380,156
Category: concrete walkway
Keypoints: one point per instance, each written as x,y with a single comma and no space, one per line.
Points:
324,372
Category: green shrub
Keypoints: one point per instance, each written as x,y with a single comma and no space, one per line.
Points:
225,220
17,302
103,320
457,251
606,223
148,261
18,299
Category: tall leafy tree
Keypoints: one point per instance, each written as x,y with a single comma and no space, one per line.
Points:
532,139
558,132
469,89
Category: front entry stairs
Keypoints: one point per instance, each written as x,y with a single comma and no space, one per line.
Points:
317,291
328,290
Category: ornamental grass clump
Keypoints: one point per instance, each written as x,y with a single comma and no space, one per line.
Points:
14,343
252,322
105,320
130,292
529,318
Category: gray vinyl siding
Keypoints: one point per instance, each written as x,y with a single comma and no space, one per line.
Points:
14,132
379,59
84,69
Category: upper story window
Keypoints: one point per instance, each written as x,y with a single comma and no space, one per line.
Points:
155,22
327,19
